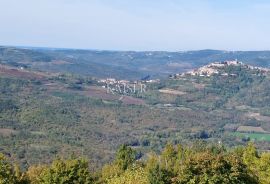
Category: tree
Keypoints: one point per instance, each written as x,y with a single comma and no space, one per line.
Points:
7,173
125,157
110,171
158,175
34,173
206,167
263,168
160,169
134,175
250,156
168,157
67,172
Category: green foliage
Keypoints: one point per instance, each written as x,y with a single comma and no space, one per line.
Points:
183,165
125,156
253,136
158,175
125,159
263,168
33,173
38,109
67,172
208,168
175,165
250,155
133,175
10,174
7,174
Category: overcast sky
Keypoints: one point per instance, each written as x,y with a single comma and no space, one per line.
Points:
171,25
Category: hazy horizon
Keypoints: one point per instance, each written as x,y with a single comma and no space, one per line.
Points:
136,25
113,50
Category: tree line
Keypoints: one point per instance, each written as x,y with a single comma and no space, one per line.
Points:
176,164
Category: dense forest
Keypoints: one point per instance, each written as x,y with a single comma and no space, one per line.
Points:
199,163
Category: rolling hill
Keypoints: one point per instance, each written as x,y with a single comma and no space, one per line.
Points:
42,102
118,64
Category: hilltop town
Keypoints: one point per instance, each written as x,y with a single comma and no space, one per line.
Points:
214,69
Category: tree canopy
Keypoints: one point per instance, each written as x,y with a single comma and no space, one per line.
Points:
176,164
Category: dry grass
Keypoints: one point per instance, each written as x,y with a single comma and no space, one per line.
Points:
198,86
258,117
101,93
132,101
250,129
171,91
14,72
6,132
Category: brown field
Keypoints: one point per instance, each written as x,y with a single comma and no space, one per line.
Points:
171,92
100,93
258,117
90,91
250,129
54,62
131,100
198,86
59,62
6,132
14,72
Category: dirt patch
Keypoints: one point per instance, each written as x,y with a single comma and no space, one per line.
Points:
258,117
198,86
231,127
60,62
6,132
51,63
251,129
100,93
171,92
131,100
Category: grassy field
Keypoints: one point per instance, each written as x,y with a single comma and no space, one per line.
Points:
253,136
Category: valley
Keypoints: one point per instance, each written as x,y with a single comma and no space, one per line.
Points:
77,114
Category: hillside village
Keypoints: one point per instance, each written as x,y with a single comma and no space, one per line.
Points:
214,69
122,81
125,86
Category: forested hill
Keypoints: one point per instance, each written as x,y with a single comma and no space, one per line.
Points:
123,64
229,104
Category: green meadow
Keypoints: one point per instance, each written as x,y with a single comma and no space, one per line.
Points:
253,136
